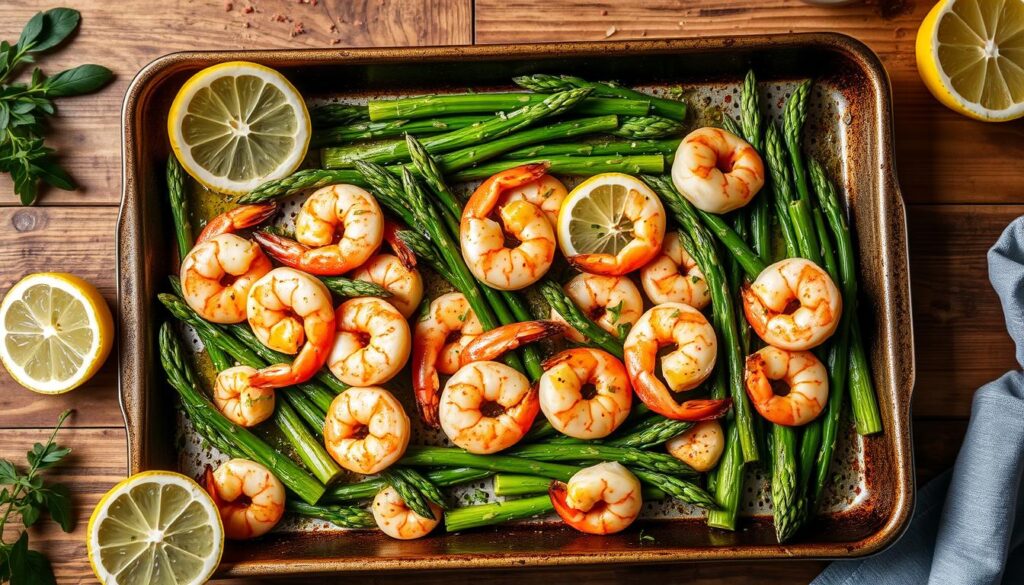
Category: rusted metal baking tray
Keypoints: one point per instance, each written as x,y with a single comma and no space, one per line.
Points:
850,127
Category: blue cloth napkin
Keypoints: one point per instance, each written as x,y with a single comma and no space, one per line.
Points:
968,525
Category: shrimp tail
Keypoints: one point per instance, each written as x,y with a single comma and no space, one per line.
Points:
426,382
609,265
652,392
486,195
558,491
299,256
210,483
306,364
241,217
491,344
403,251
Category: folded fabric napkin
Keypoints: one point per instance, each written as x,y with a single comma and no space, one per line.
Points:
968,524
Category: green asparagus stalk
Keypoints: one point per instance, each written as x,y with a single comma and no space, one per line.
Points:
367,488
862,391
574,316
569,165
323,387
451,457
677,488
495,127
206,416
782,187
541,83
179,206
659,462
644,127
751,122
469,517
342,516
366,130
409,493
488,103
429,489
307,411
300,181
731,125
513,484
793,118
336,114
347,287
788,507
666,146
729,482
652,435
424,250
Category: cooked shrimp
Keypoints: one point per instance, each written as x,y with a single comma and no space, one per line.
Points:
800,371
338,228
488,346
547,193
484,239
400,248
390,273
238,400
674,277
717,171
291,312
683,369
700,446
601,499
435,350
613,302
396,520
793,304
366,430
585,393
249,497
640,223
218,272
373,342
486,407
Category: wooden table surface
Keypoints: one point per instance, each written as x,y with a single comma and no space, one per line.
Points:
957,178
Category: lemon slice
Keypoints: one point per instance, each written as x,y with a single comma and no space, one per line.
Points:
592,218
238,124
970,54
155,528
56,332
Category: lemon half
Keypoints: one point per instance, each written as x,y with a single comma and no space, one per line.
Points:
970,54
155,528
236,125
56,332
592,219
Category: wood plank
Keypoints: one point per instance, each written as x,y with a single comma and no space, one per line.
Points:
98,462
122,36
942,157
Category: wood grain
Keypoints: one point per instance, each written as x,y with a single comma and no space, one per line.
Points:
126,35
942,157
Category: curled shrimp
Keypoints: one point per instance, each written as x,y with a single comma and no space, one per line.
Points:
772,370
390,273
684,368
238,400
491,344
638,227
716,170
218,272
291,312
547,193
395,519
486,407
613,302
366,430
372,344
248,496
338,228
585,393
601,499
700,446
435,350
484,239
674,277
793,304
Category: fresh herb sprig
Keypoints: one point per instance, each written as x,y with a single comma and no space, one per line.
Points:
28,495
25,106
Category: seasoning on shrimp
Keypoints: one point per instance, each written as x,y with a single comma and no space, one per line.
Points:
372,344
613,302
700,446
390,273
716,170
601,499
440,335
366,430
585,393
798,374
249,497
793,304
674,277
395,519
238,400
219,270
338,228
487,407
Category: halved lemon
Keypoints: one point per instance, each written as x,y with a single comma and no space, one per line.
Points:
592,219
55,332
155,528
970,55
238,124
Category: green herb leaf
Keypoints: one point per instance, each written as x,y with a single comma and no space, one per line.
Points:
76,81
33,28
58,503
8,472
28,567
59,24
30,512
52,173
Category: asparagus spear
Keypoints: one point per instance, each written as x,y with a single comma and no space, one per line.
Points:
569,165
572,314
336,114
179,206
300,181
655,434
451,457
665,146
366,130
409,492
787,501
367,488
468,517
782,187
426,487
343,516
548,83
475,103
794,116
641,127
659,462
424,250
514,484
208,420
347,287
751,123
